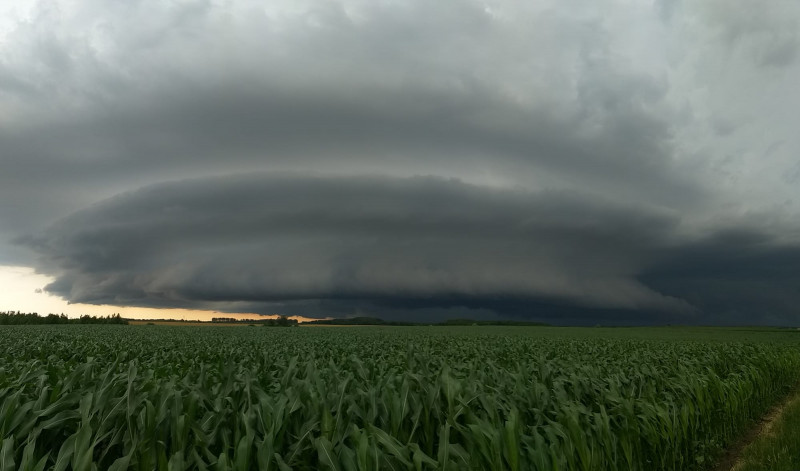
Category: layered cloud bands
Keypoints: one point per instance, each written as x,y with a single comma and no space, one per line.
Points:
417,248
265,239
594,161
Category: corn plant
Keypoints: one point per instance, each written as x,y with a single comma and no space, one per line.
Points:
173,398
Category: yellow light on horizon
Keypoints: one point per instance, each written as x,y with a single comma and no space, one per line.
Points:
22,289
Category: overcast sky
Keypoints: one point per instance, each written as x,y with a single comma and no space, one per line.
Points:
563,161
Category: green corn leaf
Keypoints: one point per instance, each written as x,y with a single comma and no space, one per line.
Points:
7,455
325,454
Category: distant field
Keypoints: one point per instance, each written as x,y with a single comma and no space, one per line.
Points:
521,398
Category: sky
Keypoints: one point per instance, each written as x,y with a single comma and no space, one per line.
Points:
572,162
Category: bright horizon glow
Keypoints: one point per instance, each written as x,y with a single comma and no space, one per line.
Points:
22,289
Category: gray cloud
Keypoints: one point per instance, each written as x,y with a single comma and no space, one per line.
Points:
742,276
413,248
627,132
277,238
103,98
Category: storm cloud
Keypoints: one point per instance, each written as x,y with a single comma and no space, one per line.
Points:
569,160
269,242
263,238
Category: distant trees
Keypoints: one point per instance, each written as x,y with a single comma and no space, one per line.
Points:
281,321
33,318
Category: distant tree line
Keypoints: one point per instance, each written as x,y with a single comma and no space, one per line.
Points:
448,322
33,318
282,321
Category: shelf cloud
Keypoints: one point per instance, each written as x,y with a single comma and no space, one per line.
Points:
584,162
269,241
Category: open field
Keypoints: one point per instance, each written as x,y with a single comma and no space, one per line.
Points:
163,397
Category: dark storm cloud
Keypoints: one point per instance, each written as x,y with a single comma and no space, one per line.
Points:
610,144
741,276
268,239
416,248
589,160
102,101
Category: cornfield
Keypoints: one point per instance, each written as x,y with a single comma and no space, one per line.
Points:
205,398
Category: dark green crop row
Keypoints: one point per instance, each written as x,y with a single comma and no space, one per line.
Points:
153,397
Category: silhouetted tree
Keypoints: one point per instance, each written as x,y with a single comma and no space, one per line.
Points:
18,318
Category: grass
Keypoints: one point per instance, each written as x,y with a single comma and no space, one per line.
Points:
778,446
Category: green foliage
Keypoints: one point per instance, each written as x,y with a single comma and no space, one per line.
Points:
19,318
280,321
98,397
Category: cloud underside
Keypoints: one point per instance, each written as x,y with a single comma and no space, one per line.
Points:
587,162
406,247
